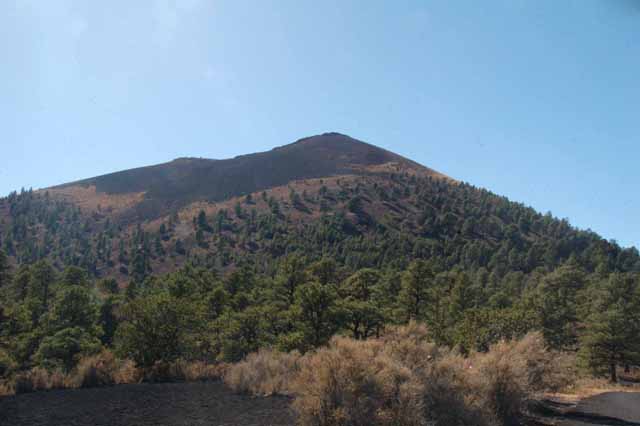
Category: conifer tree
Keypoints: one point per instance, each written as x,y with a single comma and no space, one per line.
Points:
316,311
5,268
415,287
612,327
362,314
558,305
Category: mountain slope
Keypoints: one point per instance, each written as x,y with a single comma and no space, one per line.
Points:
328,195
177,183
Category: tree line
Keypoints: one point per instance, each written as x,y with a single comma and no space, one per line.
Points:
52,319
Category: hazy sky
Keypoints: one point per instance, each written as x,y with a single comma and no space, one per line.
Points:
537,100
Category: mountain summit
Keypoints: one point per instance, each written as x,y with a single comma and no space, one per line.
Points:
177,183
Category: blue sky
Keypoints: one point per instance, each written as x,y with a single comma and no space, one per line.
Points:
537,100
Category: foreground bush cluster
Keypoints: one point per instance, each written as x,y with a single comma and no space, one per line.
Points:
403,379
105,369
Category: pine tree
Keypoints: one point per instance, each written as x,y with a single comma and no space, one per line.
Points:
362,315
238,210
316,311
163,232
291,274
612,327
415,289
158,248
325,271
202,223
179,247
558,305
5,270
40,288
200,240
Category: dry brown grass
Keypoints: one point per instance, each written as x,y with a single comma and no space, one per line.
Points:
94,371
201,371
88,199
57,380
181,370
585,387
497,384
6,389
631,375
127,373
399,379
403,379
355,383
409,344
103,369
448,393
38,379
405,168
266,372
512,373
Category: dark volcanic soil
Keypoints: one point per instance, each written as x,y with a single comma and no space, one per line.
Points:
212,404
169,404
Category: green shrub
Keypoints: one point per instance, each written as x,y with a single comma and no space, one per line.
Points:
155,331
63,349
7,364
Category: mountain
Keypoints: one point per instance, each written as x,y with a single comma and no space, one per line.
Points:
326,195
211,260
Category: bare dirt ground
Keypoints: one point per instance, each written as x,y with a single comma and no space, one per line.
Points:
169,404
